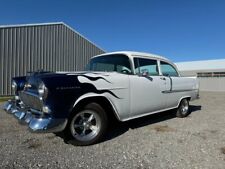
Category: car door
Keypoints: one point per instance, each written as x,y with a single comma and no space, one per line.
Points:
174,84
146,87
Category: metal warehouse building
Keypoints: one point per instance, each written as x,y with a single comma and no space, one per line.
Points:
211,73
50,46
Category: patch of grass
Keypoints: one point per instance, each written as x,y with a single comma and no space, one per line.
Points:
180,141
50,137
223,150
55,142
34,145
163,128
213,131
201,135
4,99
27,140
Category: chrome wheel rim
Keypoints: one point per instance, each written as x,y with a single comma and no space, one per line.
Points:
184,107
85,125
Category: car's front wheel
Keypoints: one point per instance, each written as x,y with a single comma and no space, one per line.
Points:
183,109
89,125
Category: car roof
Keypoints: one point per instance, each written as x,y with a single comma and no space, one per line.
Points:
134,53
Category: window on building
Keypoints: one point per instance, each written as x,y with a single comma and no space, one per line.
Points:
211,74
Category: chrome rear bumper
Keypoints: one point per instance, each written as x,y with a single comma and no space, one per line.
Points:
37,124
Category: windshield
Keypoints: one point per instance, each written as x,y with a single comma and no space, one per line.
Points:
110,63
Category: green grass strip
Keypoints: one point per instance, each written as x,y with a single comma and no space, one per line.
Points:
4,99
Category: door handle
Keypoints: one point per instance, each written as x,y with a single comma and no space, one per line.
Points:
162,78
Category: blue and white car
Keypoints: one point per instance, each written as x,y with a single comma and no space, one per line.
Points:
125,84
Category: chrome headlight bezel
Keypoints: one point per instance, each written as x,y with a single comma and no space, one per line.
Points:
42,90
14,86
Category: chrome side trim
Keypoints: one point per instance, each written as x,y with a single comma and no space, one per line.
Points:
174,91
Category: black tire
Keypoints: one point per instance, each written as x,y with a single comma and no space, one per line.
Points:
183,109
101,120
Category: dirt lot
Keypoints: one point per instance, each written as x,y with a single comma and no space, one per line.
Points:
156,141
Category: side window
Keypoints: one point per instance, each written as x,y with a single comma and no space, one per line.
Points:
168,69
146,66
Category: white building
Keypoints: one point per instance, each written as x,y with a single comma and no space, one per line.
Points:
211,73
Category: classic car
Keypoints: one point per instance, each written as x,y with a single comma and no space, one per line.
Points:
124,85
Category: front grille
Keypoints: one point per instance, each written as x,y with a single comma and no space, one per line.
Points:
30,100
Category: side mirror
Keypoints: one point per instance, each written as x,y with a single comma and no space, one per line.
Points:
144,72
146,75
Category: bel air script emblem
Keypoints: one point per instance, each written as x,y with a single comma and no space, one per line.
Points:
67,87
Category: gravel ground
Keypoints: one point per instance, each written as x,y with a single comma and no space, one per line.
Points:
156,141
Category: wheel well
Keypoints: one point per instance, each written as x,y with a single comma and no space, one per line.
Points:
188,98
102,101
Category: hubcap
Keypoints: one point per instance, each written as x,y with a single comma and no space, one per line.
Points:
184,107
85,125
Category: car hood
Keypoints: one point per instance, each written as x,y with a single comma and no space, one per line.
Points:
63,73
101,80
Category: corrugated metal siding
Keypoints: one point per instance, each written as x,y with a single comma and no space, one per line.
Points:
53,47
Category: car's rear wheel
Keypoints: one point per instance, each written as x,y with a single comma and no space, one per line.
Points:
89,125
183,109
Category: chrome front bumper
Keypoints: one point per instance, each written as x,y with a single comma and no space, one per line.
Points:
36,123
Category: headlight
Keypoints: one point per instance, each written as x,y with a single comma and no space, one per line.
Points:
46,109
42,90
14,86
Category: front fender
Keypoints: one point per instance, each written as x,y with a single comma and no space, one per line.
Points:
92,95
66,90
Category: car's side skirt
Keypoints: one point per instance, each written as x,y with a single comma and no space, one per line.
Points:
146,114
162,110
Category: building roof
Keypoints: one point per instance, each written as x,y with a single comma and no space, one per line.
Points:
50,23
202,65
31,24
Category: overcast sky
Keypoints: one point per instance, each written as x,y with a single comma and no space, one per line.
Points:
182,30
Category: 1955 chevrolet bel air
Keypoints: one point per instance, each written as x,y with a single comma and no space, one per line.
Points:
126,85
